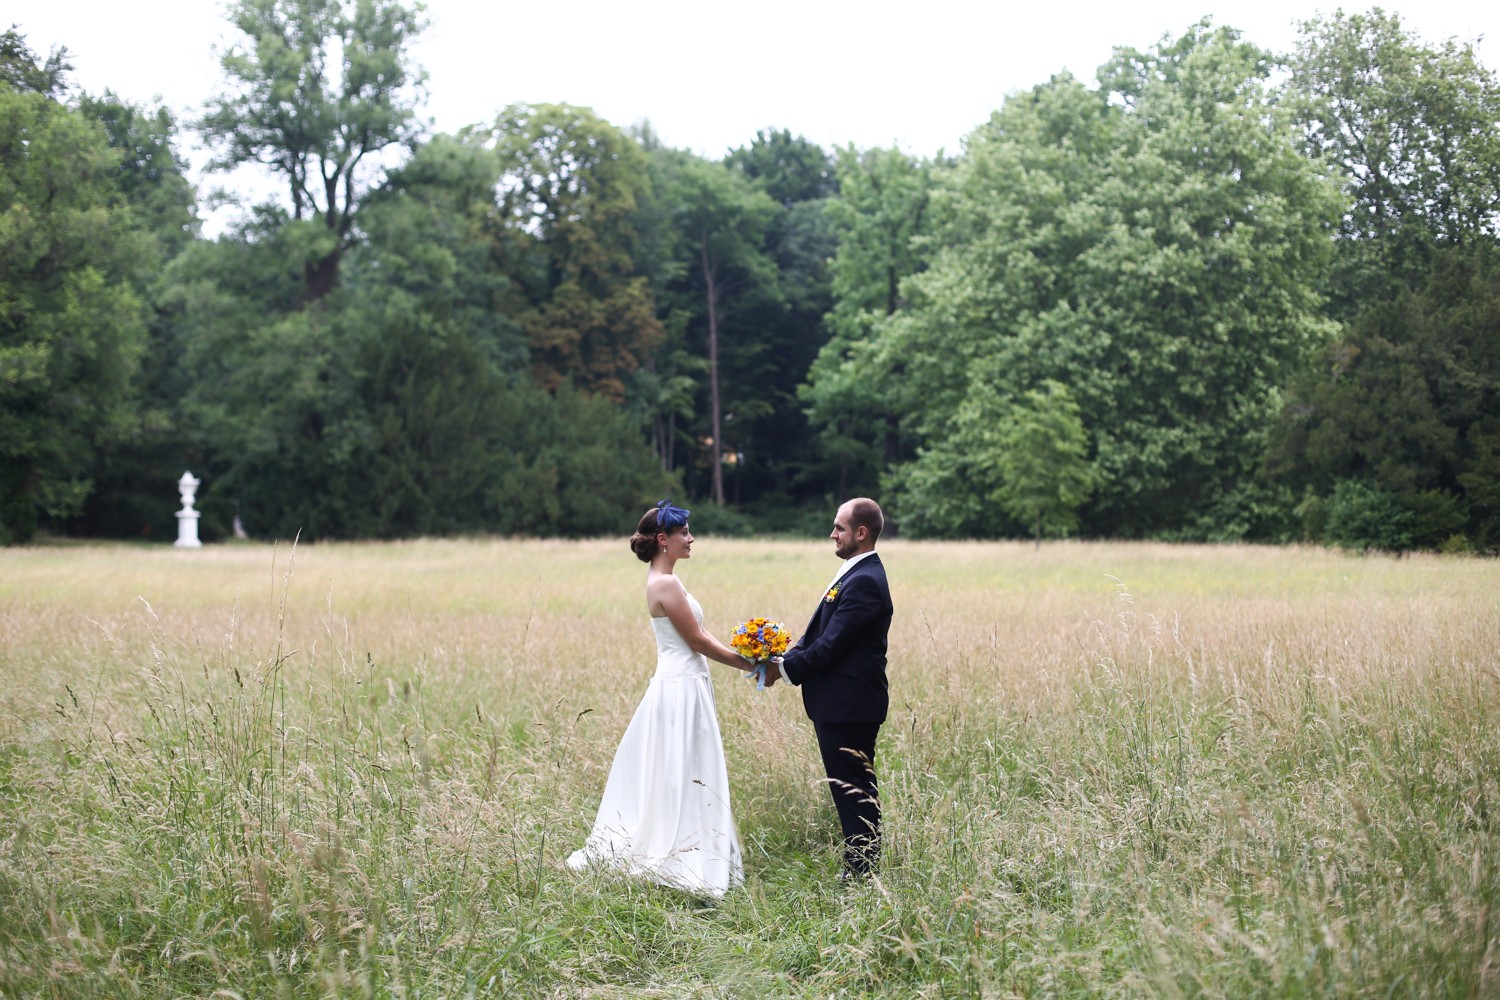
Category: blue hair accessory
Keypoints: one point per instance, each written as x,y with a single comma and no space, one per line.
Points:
668,516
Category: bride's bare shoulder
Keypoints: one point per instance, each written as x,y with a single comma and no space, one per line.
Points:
663,589
659,581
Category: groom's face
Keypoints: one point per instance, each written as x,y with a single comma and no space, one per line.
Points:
845,538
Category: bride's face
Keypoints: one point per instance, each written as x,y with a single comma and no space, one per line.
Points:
677,545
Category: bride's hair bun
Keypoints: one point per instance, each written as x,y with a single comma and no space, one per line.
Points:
643,542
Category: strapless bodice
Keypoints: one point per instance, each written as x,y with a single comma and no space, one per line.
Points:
674,657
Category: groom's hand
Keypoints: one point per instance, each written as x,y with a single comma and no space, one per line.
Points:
773,670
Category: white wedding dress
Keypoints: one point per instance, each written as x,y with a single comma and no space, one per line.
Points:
665,813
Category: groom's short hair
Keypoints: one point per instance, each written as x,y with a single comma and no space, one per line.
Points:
866,513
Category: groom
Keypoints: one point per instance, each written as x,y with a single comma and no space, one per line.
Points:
839,662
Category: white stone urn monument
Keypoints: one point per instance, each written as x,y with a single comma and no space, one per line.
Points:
187,517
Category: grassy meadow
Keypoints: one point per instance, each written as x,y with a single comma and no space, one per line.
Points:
1110,770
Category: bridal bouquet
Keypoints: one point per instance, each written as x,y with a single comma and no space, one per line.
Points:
759,639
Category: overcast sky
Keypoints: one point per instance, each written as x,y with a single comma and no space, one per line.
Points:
920,74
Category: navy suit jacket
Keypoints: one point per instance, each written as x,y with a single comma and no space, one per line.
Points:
839,662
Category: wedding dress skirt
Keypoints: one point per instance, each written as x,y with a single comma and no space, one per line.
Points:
665,812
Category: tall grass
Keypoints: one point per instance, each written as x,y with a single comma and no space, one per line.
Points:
1118,770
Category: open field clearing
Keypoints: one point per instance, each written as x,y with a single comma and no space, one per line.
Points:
1110,770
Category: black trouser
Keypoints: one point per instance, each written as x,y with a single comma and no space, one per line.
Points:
848,750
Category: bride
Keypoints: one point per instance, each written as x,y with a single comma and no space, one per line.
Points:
665,813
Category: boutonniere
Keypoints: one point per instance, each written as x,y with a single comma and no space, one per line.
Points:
832,595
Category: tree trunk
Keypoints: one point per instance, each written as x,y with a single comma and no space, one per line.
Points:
711,288
321,275
669,443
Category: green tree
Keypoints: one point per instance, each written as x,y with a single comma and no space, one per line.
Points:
1363,517
433,250
134,491
570,187
881,215
72,323
1412,128
435,369
20,69
780,454
1022,468
725,285
1042,457
1481,483
152,175
1399,402
400,404
789,168
663,393
1157,245
321,89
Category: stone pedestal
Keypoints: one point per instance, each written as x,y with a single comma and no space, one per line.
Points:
187,517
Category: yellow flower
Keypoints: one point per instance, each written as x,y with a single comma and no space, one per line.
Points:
760,639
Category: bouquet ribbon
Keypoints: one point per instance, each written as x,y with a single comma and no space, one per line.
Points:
758,675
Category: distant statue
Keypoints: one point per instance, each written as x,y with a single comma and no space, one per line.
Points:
187,517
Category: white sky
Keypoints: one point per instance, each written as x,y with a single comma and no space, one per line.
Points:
707,75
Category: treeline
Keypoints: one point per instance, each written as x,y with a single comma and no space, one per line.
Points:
1212,294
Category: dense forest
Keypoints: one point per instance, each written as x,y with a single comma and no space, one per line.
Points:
1215,293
